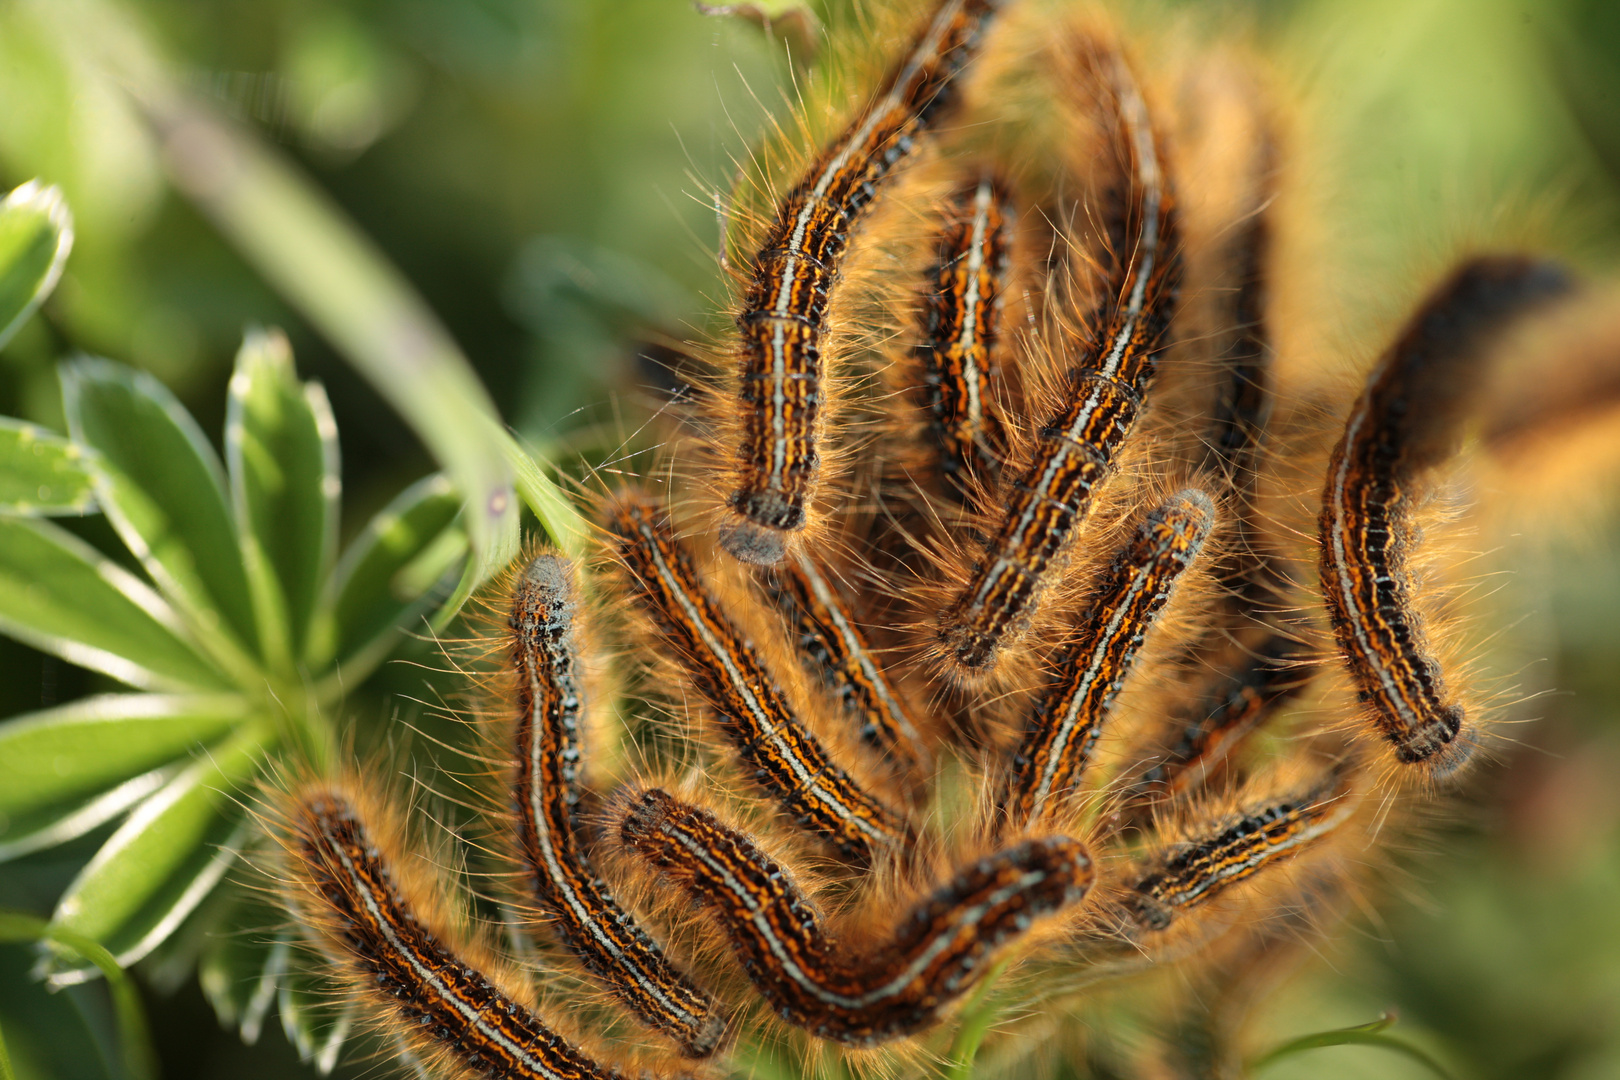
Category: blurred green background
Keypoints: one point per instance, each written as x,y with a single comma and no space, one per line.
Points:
538,169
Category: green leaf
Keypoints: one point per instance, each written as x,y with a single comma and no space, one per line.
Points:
557,513
791,20
382,581
28,836
172,965
282,454
68,1036
243,962
139,1060
59,756
165,858
41,472
317,1022
311,253
36,234
60,595
1368,1034
162,486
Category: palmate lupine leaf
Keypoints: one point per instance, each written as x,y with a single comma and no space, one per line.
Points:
61,595
254,629
282,456
386,576
36,234
66,770
167,856
315,1020
256,538
243,959
41,473
163,488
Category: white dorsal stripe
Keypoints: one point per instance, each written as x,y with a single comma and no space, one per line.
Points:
961,920
782,306
761,716
1134,112
852,646
430,978
982,199
562,882
1066,726
1341,564
1269,851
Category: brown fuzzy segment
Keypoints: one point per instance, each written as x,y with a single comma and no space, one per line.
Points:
783,320
1069,717
1217,723
855,996
833,645
1255,838
407,970
1075,450
1406,422
547,790
787,762
961,334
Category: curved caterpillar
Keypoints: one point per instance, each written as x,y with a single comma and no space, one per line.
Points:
854,996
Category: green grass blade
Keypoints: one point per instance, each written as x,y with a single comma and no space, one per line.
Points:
36,234
556,511
60,595
308,250
42,473
281,454
140,1062
1373,1033
162,486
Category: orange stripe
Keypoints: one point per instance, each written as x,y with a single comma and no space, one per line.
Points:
1069,718
784,759
865,996
1216,725
547,794
833,646
1195,872
963,324
1076,448
785,308
1406,422
408,973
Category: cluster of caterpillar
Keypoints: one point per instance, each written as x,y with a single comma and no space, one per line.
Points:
1060,625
